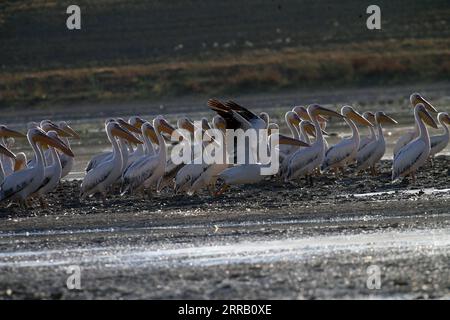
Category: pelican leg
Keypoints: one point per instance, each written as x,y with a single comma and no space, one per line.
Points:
432,161
310,180
373,171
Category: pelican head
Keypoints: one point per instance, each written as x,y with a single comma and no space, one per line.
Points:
161,125
68,129
186,124
136,121
272,127
150,132
381,117
292,118
301,112
308,127
443,117
417,98
219,123
369,116
47,126
119,131
38,135
265,117
6,132
128,126
425,116
205,124
352,114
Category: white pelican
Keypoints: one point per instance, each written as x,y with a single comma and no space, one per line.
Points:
439,142
344,152
364,140
413,155
250,173
209,175
107,156
372,152
5,134
415,98
302,112
66,161
100,178
304,161
52,172
5,152
21,184
292,121
151,167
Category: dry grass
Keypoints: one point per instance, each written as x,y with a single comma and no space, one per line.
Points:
365,63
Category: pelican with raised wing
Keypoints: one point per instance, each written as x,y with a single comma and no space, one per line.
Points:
21,184
344,152
372,152
100,178
413,155
415,99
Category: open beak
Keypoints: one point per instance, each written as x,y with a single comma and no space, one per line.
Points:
282,139
427,118
120,132
7,152
72,132
356,117
383,118
419,99
128,126
53,142
6,132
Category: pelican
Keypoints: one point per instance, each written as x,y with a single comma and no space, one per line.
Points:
21,184
5,134
364,140
209,175
344,152
250,173
20,162
413,155
304,161
146,171
102,176
7,153
302,112
439,142
293,122
52,172
372,152
107,156
66,161
415,98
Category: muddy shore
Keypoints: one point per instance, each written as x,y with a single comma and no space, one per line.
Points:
270,240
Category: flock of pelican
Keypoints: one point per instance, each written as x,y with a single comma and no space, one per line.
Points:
139,161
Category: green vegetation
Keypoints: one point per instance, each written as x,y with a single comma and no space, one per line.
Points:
150,49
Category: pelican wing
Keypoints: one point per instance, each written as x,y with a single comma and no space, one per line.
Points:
256,121
337,153
366,152
96,176
139,171
96,160
16,182
408,156
302,158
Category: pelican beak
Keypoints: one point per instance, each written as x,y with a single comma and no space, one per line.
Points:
383,118
166,127
72,132
322,111
282,139
120,132
7,152
310,129
447,119
54,127
128,126
295,120
355,116
53,142
6,132
419,99
302,113
150,132
139,123
427,118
